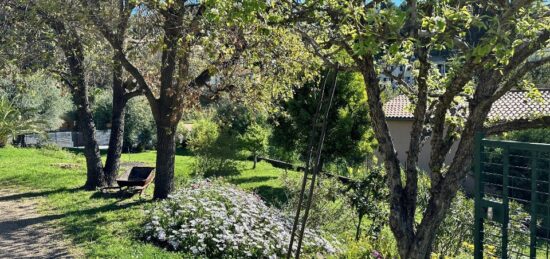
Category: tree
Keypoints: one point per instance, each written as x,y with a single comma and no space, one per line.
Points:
62,31
122,91
349,138
255,140
492,45
197,41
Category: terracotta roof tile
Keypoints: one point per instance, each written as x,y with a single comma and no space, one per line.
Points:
513,105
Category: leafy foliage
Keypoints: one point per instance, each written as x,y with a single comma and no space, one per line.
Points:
139,126
349,139
36,95
255,139
530,135
368,196
13,124
215,149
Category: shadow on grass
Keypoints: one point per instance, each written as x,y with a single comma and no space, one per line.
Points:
274,196
19,196
80,151
253,179
79,214
121,194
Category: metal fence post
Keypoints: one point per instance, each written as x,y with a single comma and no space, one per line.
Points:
505,202
478,213
533,223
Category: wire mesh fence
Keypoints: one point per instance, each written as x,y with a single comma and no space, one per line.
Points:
512,205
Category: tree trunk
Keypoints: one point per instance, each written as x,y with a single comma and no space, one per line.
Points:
69,42
117,126
94,167
115,140
166,156
255,161
20,141
358,230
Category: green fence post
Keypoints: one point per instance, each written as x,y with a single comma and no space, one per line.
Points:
505,193
478,216
533,223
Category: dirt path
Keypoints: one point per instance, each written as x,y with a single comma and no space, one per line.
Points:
26,234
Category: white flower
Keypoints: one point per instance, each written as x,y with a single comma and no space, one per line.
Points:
217,218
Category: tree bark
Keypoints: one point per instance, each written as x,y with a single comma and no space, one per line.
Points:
358,229
166,156
117,126
94,167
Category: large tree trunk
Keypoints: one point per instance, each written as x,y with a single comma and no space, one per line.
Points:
117,126
94,167
115,141
166,156
69,42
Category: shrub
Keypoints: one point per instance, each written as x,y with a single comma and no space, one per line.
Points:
36,95
330,210
541,135
368,196
139,126
456,228
203,135
218,220
12,123
215,149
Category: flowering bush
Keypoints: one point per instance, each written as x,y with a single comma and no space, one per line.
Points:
217,220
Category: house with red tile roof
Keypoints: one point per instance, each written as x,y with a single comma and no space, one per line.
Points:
513,105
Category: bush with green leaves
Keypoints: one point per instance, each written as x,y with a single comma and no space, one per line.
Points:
218,220
37,96
102,103
139,124
368,196
541,135
139,127
215,149
349,138
330,210
456,229
12,122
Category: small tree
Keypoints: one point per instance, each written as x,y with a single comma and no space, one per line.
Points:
349,140
255,140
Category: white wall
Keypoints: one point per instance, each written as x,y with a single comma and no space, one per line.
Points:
400,131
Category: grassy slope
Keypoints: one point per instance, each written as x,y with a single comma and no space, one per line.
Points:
101,225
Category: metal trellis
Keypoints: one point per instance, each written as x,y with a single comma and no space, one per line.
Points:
512,199
313,165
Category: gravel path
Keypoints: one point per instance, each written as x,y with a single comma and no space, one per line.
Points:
26,234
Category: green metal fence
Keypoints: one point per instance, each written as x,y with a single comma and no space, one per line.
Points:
512,199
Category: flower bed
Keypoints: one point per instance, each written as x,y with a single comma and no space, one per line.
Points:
216,220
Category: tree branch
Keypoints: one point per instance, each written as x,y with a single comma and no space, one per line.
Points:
519,124
93,11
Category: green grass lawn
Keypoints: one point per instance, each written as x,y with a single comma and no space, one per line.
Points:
104,225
